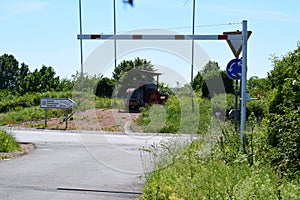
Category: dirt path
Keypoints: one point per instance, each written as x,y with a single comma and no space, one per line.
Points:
109,120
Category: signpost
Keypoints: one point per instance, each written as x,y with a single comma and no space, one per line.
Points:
234,72
238,46
59,103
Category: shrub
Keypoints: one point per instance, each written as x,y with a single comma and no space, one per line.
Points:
223,172
176,116
16,102
284,137
8,142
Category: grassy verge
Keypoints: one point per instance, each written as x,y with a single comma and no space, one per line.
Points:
28,114
219,172
18,114
8,142
176,116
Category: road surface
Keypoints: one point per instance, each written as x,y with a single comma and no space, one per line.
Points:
76,165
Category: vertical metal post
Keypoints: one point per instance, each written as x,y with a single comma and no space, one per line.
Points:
67,118
236,113
115,32
244,84
46,116
192,65
81,52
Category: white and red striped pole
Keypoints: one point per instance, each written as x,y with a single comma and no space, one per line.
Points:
157,37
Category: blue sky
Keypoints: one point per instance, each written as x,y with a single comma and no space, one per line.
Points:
44,32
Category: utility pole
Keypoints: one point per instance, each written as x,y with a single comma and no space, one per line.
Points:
81,53
115,32
192,64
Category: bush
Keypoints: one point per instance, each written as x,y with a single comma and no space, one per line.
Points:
284,137
7,142
17,102
284,118
176,116
28,114
222,172
258,108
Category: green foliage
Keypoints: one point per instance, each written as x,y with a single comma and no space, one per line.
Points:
165,89
65,85
221,104
211,66
284,136
105,102
198,82
217,83
212,81
222,172
126,76
89,83
105,87
176,116
284,118
11,75
258,107
28,114
169,114
8,142
126,65
258,87
42,80
20,80
12,102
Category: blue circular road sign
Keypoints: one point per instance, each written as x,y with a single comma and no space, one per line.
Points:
234,69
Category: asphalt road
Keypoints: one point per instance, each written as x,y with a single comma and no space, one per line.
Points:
76,165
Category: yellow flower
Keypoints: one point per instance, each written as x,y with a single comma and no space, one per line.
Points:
174,197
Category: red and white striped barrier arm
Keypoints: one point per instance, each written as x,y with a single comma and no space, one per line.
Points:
158,37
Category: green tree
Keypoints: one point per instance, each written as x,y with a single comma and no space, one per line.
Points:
258,87
10,73
65,85
211,66
105,87
42,80
31,82
284,117
126,65
197,83
211,80
126,76
90,83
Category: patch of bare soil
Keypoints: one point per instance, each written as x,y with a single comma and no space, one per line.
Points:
25,149
110,120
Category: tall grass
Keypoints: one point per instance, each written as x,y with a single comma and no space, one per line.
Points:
8,142
16,109
219,172
176,116
28,114
17,102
